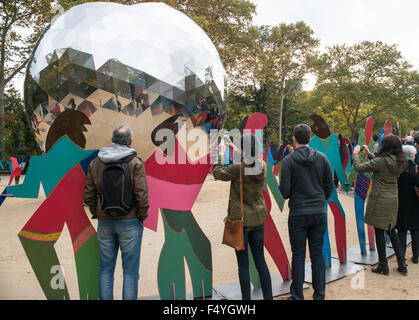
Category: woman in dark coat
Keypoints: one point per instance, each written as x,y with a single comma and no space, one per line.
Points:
382,206
408,214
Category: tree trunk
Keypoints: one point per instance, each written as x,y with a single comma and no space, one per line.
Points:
353,133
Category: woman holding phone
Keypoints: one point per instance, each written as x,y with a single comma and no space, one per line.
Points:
253,172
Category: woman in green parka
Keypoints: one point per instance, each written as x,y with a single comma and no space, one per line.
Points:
382,206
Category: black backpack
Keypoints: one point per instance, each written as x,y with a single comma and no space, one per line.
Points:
115,194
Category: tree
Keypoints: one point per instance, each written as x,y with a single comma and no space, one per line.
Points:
364,80
252,84
276,63
18,138
297,109
17,18
293,46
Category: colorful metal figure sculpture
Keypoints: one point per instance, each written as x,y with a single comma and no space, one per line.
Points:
15,170
327,143
362,186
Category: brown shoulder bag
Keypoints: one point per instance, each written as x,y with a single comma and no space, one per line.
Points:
233,229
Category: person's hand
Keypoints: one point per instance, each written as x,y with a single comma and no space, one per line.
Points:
357,149
232,145
366,150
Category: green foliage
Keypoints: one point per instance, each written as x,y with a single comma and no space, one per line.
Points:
277,60
18,138
297,109
21,24
363,80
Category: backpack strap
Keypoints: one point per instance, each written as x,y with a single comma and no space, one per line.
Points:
127,159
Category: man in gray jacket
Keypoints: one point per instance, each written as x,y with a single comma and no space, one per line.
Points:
307,181
113,231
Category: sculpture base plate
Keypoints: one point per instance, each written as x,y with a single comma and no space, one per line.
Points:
231,291
336,271
369,258
189,296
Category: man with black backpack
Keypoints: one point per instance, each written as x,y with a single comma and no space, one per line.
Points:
117,195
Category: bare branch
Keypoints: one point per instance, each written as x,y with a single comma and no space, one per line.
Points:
16,71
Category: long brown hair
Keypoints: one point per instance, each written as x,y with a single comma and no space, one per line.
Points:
391,145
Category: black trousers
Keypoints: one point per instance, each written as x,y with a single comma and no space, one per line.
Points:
415,242
301,229
381,244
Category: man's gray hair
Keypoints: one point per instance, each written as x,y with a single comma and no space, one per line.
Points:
409,151
122,135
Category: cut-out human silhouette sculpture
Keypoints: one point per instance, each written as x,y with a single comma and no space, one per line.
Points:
326,142
384,132
62,174
173,188
362,186
345,151
15,170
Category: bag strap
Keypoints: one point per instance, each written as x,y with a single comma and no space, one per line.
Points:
126,159
241,191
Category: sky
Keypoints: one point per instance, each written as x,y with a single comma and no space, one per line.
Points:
349,22
344,21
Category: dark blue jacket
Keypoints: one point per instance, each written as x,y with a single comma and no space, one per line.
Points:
307,180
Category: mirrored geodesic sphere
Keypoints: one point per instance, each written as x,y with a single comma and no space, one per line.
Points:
101,65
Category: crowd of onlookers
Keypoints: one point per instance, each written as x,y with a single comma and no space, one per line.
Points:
307,181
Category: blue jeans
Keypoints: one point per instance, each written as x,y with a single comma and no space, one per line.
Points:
112,235
254,237
301,229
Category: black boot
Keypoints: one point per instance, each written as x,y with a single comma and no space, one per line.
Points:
402,268
381,269
415,260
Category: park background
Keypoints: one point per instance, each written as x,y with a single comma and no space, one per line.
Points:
282,68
